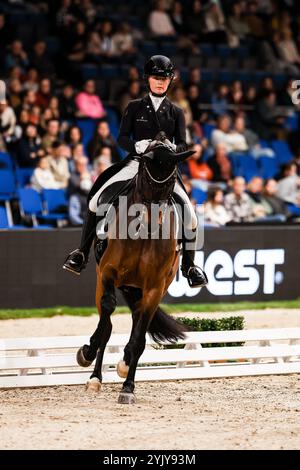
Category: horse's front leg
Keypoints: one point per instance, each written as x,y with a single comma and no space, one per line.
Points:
106,304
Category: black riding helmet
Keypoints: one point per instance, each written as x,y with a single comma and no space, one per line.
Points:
159,66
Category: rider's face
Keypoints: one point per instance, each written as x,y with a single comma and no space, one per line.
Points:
159,85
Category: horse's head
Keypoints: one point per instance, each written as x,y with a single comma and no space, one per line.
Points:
158,173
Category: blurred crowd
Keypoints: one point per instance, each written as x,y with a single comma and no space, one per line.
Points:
49,91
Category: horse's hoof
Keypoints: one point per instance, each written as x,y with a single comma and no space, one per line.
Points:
81,360
126,398
93,385
122,369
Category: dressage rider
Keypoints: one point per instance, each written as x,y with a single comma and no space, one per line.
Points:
143,119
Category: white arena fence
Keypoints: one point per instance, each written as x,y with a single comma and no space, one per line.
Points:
44,361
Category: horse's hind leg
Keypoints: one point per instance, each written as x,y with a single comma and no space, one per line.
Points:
147,308
106,307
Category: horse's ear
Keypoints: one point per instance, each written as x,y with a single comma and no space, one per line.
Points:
149,155
180,157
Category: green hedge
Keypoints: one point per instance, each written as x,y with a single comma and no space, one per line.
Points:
207,324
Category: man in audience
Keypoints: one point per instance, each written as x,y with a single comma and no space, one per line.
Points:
237,203
58,164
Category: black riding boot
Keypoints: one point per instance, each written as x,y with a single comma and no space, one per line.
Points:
78,259
196,276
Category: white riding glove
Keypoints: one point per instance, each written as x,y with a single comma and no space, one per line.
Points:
142,145
170,144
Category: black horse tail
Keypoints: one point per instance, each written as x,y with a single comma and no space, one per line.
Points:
164,328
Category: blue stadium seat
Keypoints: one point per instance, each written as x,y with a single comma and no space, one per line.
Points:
89,71
268,167
294,210
207,50
23,176
56,203
87,127
4,224
6,161
244,165
242,52
7,185
207,75
292,122
199,195
31,204
207,129
109,71
168,48
226,76
148,48
282,151
223,51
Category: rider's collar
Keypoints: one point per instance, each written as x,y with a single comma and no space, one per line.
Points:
156,100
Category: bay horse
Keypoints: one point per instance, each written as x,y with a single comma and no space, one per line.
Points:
142,268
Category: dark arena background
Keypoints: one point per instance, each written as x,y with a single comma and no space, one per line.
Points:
68,71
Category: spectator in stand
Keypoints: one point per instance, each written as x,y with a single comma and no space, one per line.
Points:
198,169
58,164
123,42
40,61
177,18
29,100
103,138
80,183
67,106
179,98
214,24
73,136
16,57
220,100
7,125
236,96
54,107
101,163
220,164
237,22
52,134
108,50
94,47
288,48
255,22
268,119
5,31
159,21
133,92
44,94
271,56
215,213
77,43
288,186
233,141
14,92
88,103
195,21
255,192
31,80
237,203
29,147
276,205
251,142
78,152
43,177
